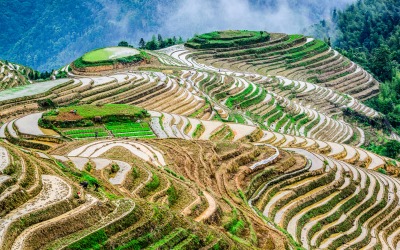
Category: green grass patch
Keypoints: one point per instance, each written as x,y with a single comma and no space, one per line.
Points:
235,225
109,53
92,241
87,115
110,56
91,111
239,119
201,110
172,195
89,135
255,100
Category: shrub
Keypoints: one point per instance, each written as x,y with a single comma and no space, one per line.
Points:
172,195
88,167
235,225
382,171
153,184
114,168
135,173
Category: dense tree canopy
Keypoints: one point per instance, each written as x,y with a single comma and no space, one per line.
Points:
368,32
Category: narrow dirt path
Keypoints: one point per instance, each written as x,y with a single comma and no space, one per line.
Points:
212,207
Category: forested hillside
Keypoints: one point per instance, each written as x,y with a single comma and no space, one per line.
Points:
368,32
34,34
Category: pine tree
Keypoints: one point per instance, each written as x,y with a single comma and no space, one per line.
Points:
142,43
161,43
152,45
169,42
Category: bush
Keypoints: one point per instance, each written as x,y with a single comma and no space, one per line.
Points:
114,168
382,171
90,179
235,225
153,184
88,167
172,195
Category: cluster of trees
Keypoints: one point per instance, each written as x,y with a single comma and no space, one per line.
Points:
32,74
369,31
159,42
389,148
388,101
154,43
36,75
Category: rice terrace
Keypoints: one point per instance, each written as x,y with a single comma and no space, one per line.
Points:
234,139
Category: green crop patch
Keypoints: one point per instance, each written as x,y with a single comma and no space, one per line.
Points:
89,135
91,111
88,115
84,131
228,38
130,129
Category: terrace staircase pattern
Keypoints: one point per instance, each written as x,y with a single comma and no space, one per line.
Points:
248,150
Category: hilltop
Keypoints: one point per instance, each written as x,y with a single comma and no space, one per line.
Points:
235,140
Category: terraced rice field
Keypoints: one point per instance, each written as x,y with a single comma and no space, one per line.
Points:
86,133
30,90
135,130
13,75
246,147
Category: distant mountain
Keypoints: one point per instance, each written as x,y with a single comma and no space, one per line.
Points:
48,34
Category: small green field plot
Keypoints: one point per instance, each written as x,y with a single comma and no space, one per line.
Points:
89,135
89,112
109,53
130,129
86,133
110,56
228,34
228,38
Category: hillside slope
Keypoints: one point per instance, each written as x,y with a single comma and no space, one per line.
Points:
14,75
238,140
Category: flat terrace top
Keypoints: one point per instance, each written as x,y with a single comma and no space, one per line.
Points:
109,53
